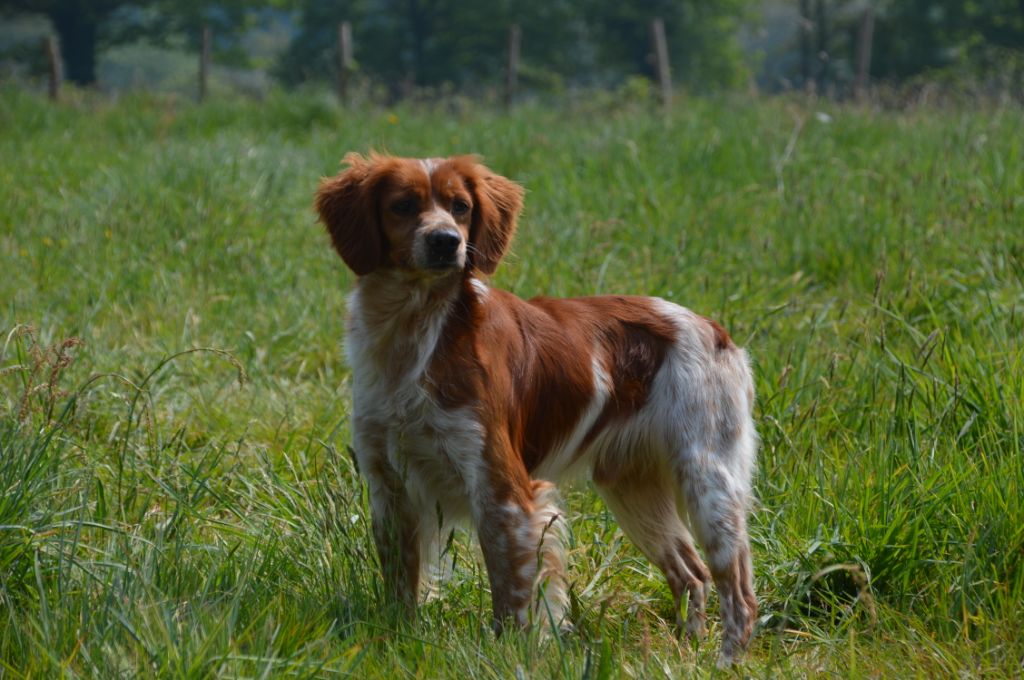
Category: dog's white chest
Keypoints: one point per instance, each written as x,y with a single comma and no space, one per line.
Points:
437,451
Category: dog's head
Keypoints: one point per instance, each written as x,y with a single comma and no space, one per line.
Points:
435,215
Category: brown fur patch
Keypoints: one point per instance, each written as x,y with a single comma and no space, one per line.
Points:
721,336
526,366
515,363
497,203
635,342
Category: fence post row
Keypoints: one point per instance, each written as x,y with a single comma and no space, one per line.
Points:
52,48
661,61
344,60
204,62
659,44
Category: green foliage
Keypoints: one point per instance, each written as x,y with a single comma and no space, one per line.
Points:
973,46
701,38
86,27
917,35
177,22
431,42
176,521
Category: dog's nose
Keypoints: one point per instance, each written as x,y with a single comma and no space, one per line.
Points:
442,246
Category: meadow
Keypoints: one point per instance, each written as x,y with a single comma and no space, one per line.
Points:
177,496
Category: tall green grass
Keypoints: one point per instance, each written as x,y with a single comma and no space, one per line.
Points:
178,513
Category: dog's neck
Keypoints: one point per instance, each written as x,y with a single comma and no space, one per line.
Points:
396,318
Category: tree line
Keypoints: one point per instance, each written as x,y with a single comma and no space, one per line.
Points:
409,44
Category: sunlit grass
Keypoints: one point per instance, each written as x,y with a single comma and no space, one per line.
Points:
198,515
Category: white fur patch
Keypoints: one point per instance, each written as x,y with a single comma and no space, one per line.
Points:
436,451
429,165
549,529
480,288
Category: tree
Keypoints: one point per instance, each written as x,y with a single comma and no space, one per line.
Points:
429,42
77,23
701,38
423,42
915,35
85,27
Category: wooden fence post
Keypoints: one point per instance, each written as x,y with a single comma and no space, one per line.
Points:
865,33
661,61
204,62
806,29
344,61
823,56
512,67
52,48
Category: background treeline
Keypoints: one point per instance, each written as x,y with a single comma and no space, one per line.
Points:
403,46
587,42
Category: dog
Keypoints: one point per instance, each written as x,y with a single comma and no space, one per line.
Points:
469,402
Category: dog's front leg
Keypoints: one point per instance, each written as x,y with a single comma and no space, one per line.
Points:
394,519
521,530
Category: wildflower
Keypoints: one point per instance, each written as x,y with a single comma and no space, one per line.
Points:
393,119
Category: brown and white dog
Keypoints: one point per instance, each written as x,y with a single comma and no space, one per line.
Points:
471,402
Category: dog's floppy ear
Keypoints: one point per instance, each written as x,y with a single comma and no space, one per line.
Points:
347,205
497,204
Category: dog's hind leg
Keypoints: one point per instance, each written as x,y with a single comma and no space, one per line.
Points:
716,497
644,504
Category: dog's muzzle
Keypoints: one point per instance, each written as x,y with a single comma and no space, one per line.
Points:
442,249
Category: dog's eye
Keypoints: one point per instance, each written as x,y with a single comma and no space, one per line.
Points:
405,207
459,207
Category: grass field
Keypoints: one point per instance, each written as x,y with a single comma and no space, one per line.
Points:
170,511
